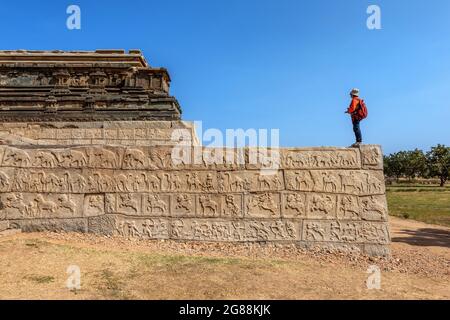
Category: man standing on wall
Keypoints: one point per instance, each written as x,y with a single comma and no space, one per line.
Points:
358,112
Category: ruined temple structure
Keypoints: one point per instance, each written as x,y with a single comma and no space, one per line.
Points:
87,144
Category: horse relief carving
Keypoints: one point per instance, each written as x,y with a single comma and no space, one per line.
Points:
263,205
294,205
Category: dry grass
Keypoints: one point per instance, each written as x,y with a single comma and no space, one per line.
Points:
33,266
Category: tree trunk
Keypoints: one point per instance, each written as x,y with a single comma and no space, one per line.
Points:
443,180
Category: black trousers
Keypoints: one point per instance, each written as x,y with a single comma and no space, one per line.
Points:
357,130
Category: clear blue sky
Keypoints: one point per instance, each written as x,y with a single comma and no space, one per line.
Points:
286,64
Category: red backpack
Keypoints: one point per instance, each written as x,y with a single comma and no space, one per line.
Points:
362,110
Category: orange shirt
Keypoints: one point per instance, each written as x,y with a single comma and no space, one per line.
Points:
353,107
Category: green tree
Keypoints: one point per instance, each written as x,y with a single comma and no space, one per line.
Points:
439,162
395,164
415,164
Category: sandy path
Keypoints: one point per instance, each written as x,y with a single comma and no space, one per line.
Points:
34,266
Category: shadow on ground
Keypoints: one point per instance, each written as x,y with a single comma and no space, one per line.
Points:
424,237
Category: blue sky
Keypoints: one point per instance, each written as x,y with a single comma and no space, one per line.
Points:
285,64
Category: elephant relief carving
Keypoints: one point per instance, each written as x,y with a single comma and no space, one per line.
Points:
134,158
45,159
71,158
16,157
103,158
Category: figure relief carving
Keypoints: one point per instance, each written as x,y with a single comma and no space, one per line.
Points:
155,204
371,156
351,183
374,185
94,205
322,205
330,182
127,203
128,229
153,182
373,208
15,202
341,231
40,207
349,207
176,228
65,203
234,183
301,180
314,232
320,159
262,204
122,183
193,182
4,182
184,203
170,182
295,203
232,207
208,206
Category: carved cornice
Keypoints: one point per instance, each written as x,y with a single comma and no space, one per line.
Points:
107,80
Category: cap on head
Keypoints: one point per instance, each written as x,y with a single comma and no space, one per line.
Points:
354,92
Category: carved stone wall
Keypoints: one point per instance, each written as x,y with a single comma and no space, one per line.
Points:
332,197
128,133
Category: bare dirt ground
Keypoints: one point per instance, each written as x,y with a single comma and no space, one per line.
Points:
33,266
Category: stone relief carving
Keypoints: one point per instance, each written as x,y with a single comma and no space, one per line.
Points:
342,231
150,198
36,205
294,205
315,159
263,205
349,182
207,230
322,206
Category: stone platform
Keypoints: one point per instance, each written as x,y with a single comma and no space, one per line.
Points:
327,197
94,142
